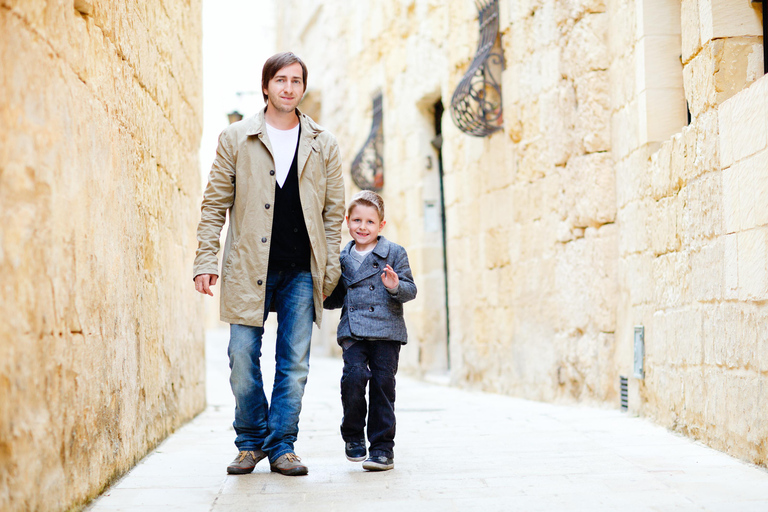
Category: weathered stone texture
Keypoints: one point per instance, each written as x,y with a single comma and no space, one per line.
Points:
101,350
696,197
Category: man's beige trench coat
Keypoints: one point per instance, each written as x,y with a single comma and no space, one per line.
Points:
242,181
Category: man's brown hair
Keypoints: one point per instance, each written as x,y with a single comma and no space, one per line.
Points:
277,62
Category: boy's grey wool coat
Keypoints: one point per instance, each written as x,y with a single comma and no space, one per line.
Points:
369,311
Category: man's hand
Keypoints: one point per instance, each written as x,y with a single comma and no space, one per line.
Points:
389,278
203,283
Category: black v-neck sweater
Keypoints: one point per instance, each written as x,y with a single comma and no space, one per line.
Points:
290,248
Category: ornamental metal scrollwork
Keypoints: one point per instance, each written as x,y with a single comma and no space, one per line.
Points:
476,102
368,167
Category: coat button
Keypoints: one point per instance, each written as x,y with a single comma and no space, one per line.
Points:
371,287
352,308
266,206
259,282
295,230
271,173
264,240
343,268
370,309
375,264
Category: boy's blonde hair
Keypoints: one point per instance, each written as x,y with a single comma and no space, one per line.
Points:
367,198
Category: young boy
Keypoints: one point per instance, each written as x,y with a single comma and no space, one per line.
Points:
375,282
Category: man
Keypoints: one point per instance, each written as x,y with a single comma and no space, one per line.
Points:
278,174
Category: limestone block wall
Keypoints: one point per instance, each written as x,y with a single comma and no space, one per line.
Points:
707,255
101,347
692,253
531,210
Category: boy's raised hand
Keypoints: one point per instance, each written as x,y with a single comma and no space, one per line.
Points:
389,278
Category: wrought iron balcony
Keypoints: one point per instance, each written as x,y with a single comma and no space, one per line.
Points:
476,102
368,167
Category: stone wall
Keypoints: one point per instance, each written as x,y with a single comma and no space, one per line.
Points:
693,258
625,189
101,350
531,212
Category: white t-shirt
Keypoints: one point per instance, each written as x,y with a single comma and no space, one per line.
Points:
357,257
284,148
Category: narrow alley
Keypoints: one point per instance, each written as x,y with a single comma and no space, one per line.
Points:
456,451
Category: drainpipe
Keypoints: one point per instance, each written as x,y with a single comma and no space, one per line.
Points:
437,143
765,46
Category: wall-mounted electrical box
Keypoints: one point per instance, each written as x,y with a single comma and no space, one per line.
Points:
639,352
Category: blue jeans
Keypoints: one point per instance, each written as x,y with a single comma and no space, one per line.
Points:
373,362
259,425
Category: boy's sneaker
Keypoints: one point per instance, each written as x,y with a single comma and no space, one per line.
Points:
379,463
245,462
355,450
289,464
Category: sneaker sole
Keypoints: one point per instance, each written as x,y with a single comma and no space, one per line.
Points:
356,459
239,471
296,471
372,466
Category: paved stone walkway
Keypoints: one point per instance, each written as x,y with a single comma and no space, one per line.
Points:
456,451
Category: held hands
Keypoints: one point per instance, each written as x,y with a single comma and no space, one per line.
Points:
389,278
203,283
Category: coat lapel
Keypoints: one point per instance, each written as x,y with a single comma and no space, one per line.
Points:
257,129
373,264
307,143
346,271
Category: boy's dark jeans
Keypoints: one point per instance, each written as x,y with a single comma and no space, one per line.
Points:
373,361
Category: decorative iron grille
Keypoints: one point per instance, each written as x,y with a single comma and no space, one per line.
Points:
368,166
476,102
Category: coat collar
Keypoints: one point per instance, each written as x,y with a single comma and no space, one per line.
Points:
382,247
257,124
366,270
381,250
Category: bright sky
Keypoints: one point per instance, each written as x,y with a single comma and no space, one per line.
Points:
238,36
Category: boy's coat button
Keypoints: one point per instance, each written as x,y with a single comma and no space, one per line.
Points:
370,309
375,264
371,287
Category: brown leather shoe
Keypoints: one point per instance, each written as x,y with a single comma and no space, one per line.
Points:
289,464
245,462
